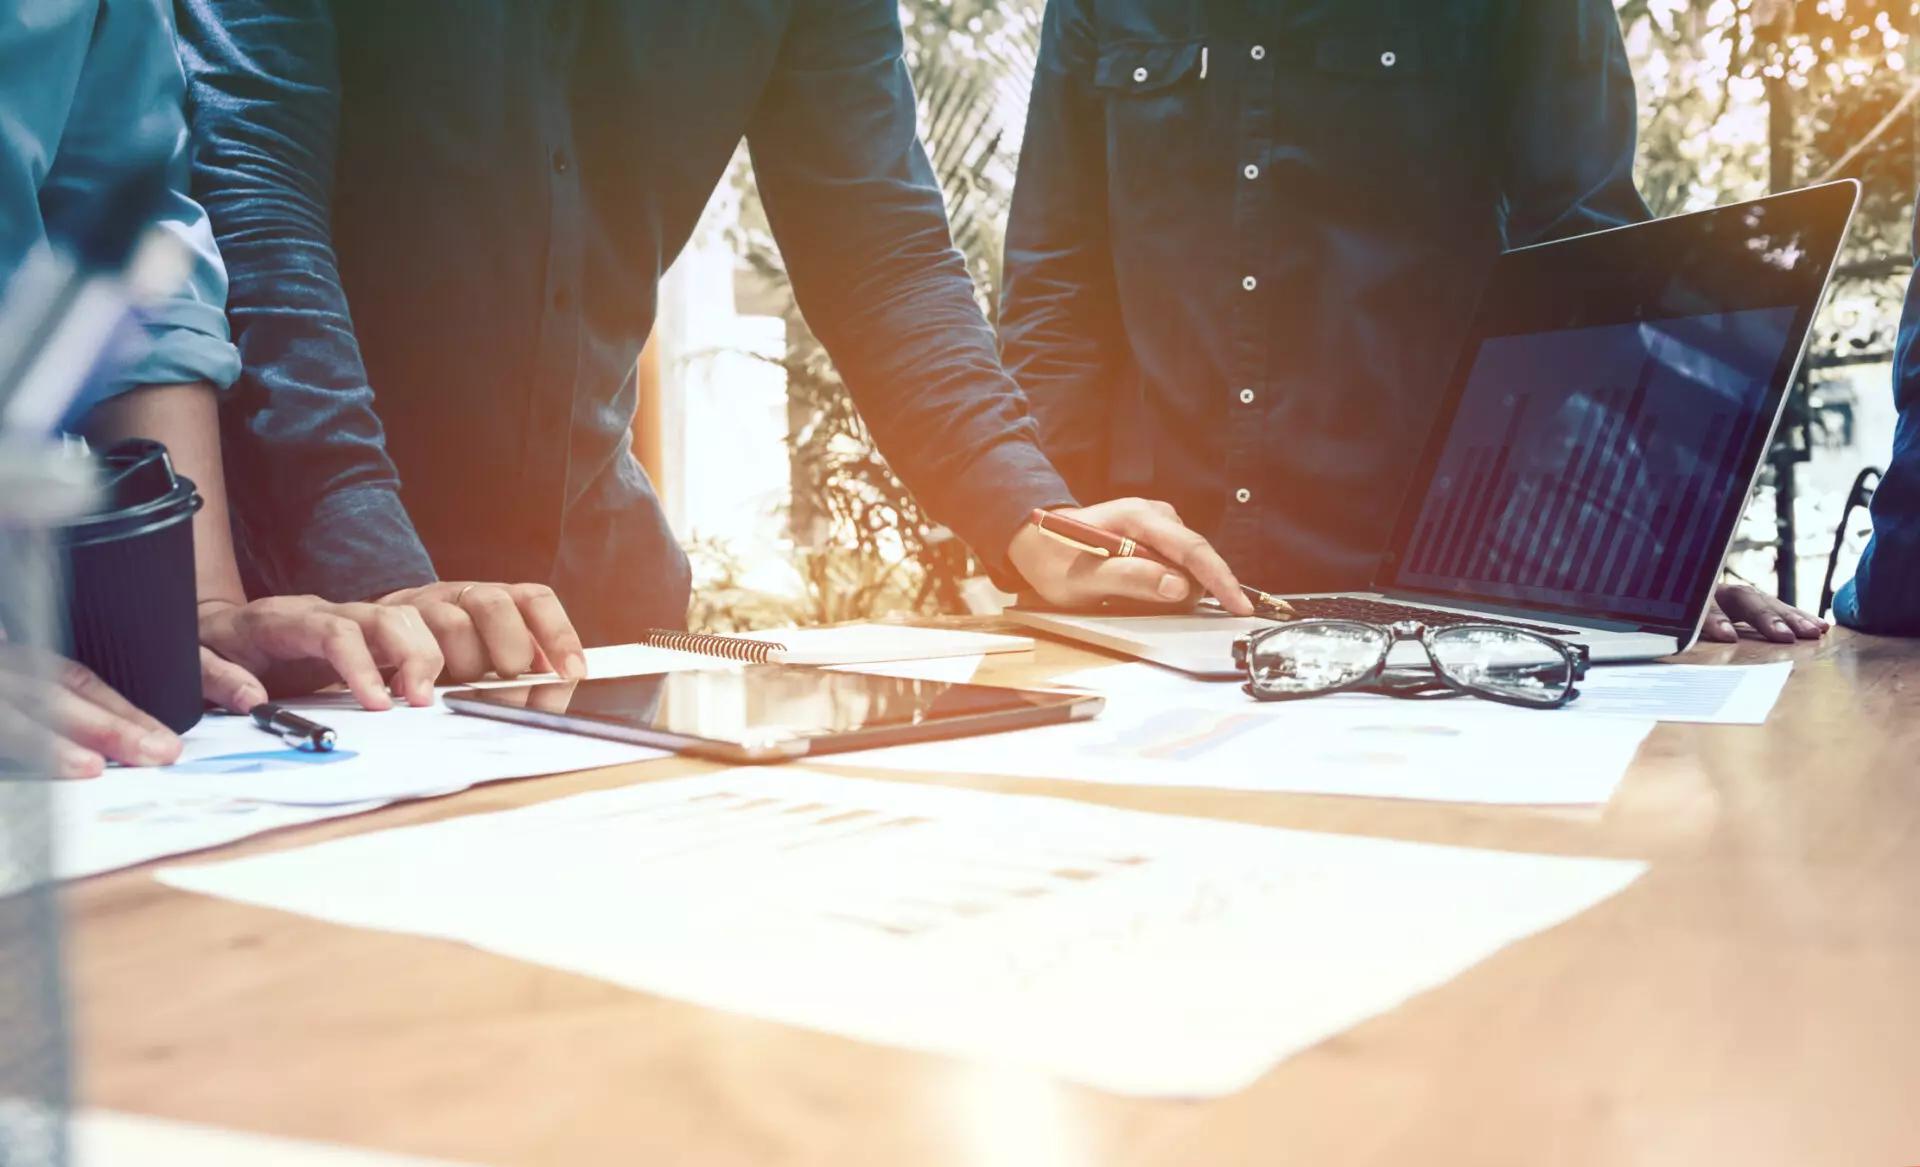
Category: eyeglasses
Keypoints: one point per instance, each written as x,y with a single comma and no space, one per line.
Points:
1311,658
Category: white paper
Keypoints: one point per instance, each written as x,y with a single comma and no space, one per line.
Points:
954,670
398,753
123,818
105,1138
405,752
618,660
1718,694
1165,729
1722,694
1140,953
627,660
233,781
630,660
1147,680
877,643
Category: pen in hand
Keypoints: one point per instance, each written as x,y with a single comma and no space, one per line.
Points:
1108,545
292,728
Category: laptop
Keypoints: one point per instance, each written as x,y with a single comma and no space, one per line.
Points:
1596,444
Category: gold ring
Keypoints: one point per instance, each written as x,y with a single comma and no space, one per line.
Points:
461,595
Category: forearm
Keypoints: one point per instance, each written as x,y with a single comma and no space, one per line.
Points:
860,219
923,367
1070,379
322,511
185,419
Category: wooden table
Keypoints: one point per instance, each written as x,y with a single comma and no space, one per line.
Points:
1755,999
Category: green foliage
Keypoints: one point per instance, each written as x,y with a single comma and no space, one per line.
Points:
1709,73
723,603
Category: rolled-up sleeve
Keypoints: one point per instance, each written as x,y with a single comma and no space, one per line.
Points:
860,220
128,108
186,333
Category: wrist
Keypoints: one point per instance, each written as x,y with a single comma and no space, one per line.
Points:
1026,542
210,612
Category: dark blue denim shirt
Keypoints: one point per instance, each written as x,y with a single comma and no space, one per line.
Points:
445,222
1249,234
1884,595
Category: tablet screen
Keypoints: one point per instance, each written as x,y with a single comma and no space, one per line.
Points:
765,705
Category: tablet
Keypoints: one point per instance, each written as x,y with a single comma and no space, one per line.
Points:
772,713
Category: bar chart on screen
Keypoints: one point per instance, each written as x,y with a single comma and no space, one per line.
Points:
1590,465
1602,524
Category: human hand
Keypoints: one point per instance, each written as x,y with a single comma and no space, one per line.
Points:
287,645
1745,604
1065,576
506,629
92,724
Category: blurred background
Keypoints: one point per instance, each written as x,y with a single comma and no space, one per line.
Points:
791,516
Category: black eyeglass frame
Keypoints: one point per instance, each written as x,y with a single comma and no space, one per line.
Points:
1374,679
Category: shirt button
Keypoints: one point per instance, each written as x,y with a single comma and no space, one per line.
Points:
1249,283
1259,52
1140,74
1389,59
561,163
1243,495
1251,171
1246,397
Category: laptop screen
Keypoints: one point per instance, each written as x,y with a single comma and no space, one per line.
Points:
1607,420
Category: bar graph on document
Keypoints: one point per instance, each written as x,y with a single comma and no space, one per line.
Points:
1179,734
1144,953
840,863
1257,738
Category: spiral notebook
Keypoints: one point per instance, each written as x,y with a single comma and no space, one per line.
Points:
852,644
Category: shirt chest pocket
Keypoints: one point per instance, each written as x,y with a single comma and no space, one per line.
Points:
1396,105
1150,69
1379,58
1158,106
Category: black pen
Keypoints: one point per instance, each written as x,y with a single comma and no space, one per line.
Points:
292,728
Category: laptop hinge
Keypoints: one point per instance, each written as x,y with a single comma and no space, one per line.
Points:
1529,615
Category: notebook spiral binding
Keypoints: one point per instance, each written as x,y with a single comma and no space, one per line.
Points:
757,652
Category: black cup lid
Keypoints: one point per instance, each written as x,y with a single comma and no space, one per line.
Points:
134,472
140,490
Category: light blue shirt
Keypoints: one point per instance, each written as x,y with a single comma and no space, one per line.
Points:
86,86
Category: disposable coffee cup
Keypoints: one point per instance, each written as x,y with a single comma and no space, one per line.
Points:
131,605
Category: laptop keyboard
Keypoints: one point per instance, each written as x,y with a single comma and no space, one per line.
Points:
1385,612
